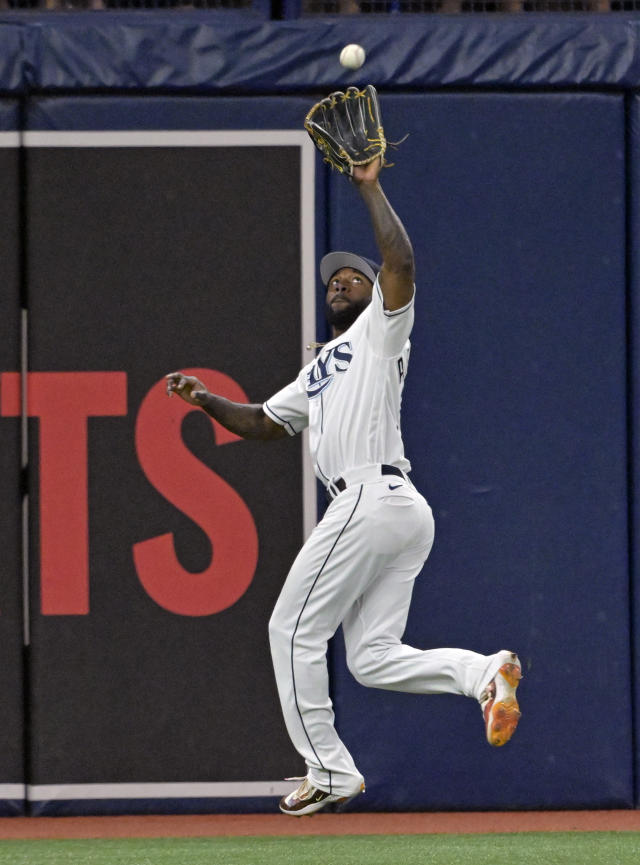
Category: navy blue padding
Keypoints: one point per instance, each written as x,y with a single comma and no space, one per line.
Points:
634,381
12,807
223,50
118,112
11,639
9,115
514,418
114,807
12,54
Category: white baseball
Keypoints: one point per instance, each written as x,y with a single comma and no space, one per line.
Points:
352,56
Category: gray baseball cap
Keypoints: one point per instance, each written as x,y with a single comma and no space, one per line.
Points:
334,261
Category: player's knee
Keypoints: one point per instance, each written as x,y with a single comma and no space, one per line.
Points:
361,669
370,664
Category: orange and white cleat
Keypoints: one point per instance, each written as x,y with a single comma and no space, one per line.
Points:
498,701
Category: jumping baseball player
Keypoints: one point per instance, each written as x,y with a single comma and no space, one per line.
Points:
358,567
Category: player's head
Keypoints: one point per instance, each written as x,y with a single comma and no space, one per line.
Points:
349,280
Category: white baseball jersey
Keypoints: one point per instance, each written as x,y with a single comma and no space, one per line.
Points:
350,394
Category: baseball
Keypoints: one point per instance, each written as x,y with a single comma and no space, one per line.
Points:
352,56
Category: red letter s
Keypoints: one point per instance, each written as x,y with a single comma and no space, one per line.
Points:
201,494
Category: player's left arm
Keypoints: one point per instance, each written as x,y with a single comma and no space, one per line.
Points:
397,275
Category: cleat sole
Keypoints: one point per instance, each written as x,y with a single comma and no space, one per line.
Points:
504,720
502,712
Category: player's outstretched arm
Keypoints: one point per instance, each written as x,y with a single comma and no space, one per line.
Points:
397,275
246,420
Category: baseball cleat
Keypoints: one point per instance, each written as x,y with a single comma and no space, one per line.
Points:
307,799
498,701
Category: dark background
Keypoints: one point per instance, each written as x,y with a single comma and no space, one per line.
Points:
11,636
150,260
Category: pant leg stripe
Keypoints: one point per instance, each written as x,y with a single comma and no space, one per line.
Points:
293,636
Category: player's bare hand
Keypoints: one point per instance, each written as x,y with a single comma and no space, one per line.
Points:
368,173
190,388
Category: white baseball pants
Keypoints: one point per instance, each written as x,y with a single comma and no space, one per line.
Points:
358,569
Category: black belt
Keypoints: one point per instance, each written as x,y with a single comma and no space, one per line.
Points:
340,484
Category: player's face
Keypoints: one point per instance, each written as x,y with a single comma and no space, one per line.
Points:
348,294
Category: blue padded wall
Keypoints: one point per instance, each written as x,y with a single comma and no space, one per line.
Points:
634,381
515,421
216,51
515,409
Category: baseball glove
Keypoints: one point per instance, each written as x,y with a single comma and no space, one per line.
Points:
347,128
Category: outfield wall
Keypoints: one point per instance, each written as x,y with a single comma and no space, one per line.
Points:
164,210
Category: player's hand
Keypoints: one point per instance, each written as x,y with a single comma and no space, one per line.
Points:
367,173
190,388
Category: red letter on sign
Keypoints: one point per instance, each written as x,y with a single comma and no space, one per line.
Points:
63,401
201,494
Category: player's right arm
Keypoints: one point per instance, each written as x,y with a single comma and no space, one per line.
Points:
397,275
244,419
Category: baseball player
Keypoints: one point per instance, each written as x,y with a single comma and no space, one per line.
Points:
358,567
